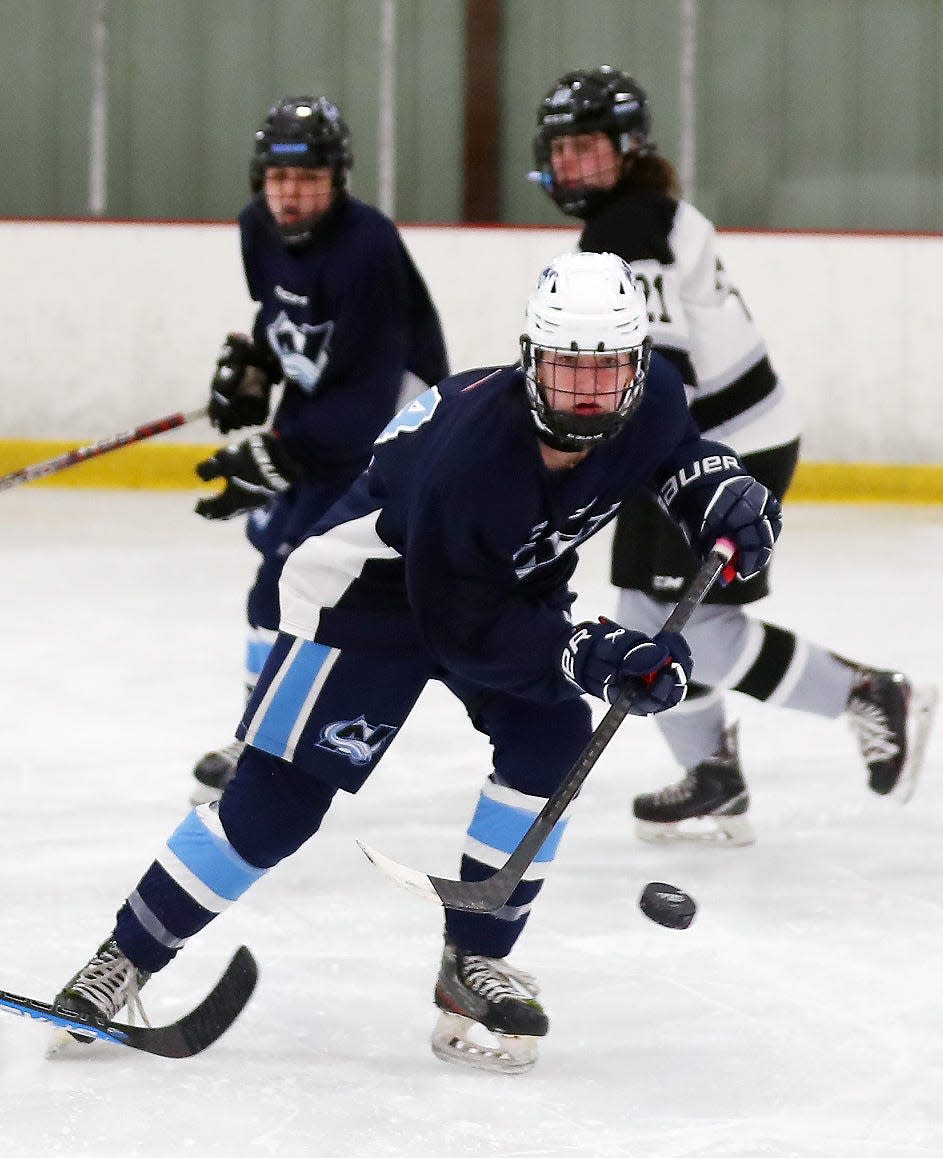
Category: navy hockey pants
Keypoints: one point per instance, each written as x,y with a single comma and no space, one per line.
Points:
320,720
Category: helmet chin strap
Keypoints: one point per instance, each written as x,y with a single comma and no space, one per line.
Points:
578,200
573,440
297,235
560,441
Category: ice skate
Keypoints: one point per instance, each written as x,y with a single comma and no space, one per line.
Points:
891,720
478,994
214,771
98,991
708,806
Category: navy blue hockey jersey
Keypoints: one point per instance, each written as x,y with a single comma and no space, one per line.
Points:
458,540
347,315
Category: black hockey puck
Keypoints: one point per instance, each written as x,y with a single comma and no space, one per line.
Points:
666,905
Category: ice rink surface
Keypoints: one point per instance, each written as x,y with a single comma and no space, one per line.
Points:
799,1017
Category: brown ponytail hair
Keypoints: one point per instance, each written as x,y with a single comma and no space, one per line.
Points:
652,173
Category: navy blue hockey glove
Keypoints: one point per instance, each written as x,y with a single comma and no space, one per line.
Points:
605,659
254,471
748,514
242,385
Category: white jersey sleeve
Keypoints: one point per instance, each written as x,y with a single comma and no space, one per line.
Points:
693,307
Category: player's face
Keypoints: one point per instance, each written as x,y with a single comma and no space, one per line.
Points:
296,196
585,384
585,161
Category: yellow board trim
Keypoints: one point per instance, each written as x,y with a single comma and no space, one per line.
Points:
146,466
141,466
867,482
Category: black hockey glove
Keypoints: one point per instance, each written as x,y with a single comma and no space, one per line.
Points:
605,659
242,385
744,511
254,471
715,498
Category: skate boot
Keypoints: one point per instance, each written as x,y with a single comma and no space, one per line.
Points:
485,993
891,720
214,771
98,991
712,796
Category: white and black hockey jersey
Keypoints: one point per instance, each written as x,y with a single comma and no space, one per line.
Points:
698,318
700,322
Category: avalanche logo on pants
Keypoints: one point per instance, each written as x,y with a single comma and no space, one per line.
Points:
356,740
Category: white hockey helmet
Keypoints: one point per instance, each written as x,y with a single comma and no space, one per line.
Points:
588,311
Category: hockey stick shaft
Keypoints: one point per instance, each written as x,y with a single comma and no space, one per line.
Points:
489,895
96,449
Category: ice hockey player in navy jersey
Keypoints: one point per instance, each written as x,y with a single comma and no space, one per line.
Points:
344,321
449,559
596,159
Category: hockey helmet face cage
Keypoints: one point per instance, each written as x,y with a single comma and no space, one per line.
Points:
585,349
304,133
599,100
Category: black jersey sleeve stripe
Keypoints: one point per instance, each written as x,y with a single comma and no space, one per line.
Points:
756,384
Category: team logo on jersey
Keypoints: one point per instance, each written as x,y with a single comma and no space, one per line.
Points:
356,740
545,545
303,350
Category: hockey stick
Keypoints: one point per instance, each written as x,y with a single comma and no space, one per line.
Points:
190,1035
489,895
95,449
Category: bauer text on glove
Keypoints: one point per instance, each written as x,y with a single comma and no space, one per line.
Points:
715,498
605,660
254,470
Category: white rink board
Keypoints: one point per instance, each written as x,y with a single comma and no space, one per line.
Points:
108,325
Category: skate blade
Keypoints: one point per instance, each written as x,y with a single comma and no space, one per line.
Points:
507,1053
922,711
712,831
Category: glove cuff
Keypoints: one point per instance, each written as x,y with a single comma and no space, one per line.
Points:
572,658
276,466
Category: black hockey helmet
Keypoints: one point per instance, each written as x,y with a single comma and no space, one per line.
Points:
589,101
307,132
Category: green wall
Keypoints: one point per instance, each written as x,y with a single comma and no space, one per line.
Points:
190,80
810,113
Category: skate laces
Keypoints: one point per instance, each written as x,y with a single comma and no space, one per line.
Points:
110,981
724,764
872,731
494,979
676,793
869,719
232,751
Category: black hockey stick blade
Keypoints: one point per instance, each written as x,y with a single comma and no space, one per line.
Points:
491,894
192,1034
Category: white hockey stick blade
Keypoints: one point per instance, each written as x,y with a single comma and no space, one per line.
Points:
412,880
